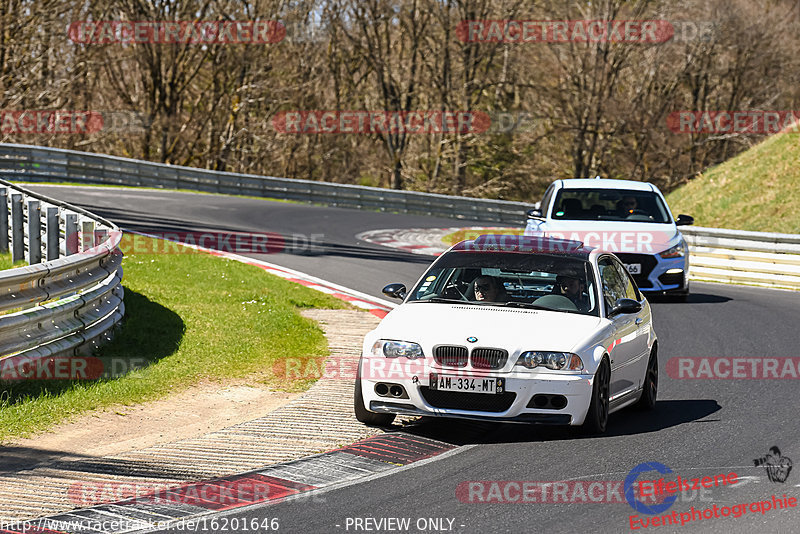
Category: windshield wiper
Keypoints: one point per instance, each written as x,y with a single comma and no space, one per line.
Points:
530,306
447,301
525,305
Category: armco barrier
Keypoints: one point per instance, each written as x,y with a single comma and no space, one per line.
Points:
717,255
739,257
33,163
69,304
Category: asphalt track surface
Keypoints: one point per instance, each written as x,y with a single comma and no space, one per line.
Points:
699,427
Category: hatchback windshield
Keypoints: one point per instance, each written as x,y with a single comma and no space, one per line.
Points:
609,205
546,281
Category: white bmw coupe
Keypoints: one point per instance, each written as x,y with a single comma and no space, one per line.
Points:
510,328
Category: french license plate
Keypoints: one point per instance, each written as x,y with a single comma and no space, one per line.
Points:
634,268
467,384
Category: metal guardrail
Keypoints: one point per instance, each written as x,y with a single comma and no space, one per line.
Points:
739,257
716,254
33,163
69,304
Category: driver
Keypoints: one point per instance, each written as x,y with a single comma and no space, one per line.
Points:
572,286
627,205
488,289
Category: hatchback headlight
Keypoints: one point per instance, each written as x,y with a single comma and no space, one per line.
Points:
397,349
678,251
559,361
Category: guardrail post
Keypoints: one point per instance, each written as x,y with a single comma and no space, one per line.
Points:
87,235
3,219
70,234
53,233
17,230
34,232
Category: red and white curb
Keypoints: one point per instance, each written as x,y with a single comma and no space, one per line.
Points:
426,241
374,305
185,507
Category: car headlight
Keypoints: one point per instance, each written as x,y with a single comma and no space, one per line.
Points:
678,251
559,361
397,349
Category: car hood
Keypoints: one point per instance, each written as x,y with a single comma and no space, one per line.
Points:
612,236
510,328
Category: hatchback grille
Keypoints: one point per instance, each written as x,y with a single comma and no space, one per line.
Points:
489,358
450,355
475,402
648,263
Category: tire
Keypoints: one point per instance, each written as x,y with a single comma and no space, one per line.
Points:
650,385
597,418
365,416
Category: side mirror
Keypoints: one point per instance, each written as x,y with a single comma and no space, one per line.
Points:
624,306
684,220
535,213
396,291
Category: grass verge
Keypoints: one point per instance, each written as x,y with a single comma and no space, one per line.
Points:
190,317
756,190
5,262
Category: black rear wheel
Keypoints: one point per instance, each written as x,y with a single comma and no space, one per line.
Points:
650,386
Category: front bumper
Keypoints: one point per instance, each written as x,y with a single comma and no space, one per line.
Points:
659,275
514,405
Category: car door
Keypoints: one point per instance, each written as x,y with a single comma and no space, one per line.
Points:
639,342
622,350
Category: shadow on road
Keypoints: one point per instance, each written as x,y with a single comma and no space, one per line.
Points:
694,298
667,414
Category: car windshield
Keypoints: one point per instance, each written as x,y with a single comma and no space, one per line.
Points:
609,205
537,281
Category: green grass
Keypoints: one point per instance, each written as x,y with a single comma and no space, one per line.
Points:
5,261
756,190
189,318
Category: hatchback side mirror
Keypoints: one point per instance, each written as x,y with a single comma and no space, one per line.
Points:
684,220
396,291
624,306
535,213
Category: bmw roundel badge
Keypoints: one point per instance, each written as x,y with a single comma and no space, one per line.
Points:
472,339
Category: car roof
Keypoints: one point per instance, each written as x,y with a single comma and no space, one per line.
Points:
517,244
606,183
